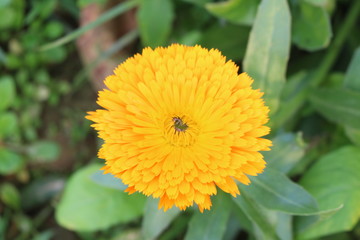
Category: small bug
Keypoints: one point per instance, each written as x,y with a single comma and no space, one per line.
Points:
179,125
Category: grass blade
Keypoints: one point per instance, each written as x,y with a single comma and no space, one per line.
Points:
113,12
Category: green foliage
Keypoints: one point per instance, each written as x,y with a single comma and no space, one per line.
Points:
333,103
87,206
108,180
43,151
235,11
7,92
211,224
155,221
339,170
10,162
311,26
8,124
226,39
154,27
310,188
275,191
257,216
268,50
10,196
288,149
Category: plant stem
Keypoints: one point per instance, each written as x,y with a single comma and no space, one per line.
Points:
108,15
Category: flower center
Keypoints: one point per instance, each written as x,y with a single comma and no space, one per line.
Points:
180,131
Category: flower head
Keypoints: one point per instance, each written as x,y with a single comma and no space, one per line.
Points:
180,121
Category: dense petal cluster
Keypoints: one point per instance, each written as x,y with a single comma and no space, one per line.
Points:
178,122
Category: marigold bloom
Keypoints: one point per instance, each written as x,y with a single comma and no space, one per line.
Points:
179,121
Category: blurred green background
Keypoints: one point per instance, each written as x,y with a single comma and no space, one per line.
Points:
54,55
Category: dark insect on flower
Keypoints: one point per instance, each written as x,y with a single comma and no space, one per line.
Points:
179,125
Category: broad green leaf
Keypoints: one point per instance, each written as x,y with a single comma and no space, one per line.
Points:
334,180
268,48
352,81
8,124
156,220
155,21
87,206
338,105
235,11
211,225
10,162
287,151
283,224
273,190
311,26
229,39
43,151
255,213
108,180
7,91
304,222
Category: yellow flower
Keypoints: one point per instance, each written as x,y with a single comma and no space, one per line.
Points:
180,121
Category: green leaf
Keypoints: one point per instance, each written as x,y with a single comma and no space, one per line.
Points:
108,180
46,235
273,190
43,151
283,224
4,3
108,15
10,162
211,225
292,97
7,91
156,220
8,124
235,11
7,18
268,50
10,196
255,213
352,82
87,206
229,39
353,72
311,27
198,2
155,21
321,3
53,29
304,222
41,191
338,105
287,151
334,180
353,134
